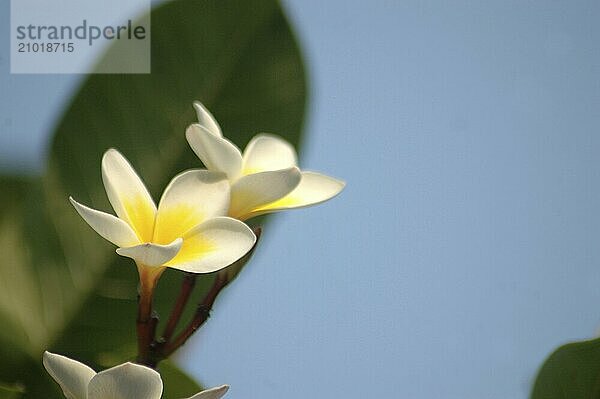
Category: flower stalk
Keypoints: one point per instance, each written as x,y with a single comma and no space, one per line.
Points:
201,315
187,286
146,321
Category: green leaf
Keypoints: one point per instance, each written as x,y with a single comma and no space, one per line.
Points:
571,372
63,288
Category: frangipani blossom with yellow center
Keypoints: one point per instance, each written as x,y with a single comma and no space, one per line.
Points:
265,178
188,231
125,381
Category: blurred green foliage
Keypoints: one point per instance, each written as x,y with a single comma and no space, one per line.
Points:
11,391
62,287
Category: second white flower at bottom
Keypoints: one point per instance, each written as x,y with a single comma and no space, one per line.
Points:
125,381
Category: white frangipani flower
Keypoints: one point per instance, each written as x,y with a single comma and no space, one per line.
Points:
125,381
265,178
188,231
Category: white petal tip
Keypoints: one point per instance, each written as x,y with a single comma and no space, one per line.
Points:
108,226
314,188
76,204
218,392
72,376
340,183
111,152
212,393
206,119
199,107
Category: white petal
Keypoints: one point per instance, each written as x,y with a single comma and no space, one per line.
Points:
213,393
72,376
217,153
259,189
313,189
126,381
267,152
213,245
108,226
149,254
206,119
191,198
128,194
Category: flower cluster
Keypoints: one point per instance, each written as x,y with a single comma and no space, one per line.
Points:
198,227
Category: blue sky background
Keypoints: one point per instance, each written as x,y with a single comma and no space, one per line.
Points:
465,246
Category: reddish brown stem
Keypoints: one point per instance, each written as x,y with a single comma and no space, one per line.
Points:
187,286
145,326
201,315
